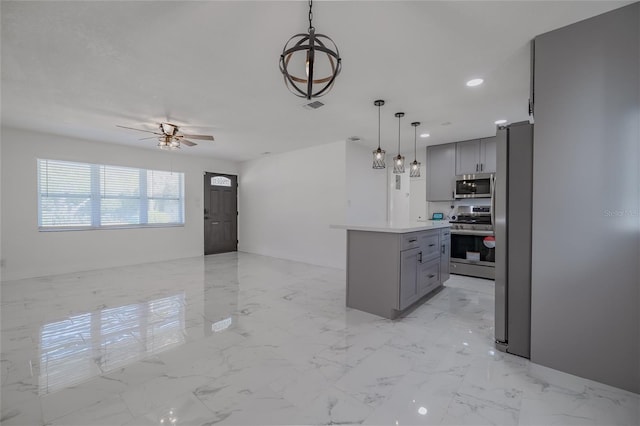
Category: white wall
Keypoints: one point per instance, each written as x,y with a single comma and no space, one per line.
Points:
288,202
366,187
29,253
399,199
418,189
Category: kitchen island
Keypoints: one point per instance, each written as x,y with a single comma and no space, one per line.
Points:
392,267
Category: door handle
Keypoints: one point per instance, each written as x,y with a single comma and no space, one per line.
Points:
493,201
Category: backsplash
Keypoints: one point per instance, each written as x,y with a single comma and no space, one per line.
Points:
449,207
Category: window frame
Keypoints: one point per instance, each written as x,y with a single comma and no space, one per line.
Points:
96,196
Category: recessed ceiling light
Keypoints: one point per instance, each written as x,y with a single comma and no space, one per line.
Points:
425,135
475,82
500,121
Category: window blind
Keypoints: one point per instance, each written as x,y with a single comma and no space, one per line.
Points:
84,196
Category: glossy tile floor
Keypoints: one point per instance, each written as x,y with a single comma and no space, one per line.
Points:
250,340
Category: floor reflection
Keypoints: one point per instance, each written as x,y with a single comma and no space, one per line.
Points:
83,346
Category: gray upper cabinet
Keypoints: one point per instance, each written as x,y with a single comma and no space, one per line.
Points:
488,155
441,170
476,156
468,157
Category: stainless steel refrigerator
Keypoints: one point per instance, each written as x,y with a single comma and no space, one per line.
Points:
512,225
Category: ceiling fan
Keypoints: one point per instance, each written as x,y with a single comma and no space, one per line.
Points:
170,137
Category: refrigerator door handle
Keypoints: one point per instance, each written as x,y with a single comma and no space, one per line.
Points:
499,218
493,201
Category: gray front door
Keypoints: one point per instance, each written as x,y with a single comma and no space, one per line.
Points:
220,213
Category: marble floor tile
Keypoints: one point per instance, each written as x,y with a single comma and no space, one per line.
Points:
241,339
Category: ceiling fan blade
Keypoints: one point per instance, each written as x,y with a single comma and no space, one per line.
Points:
140,130
187,143
150,137
200,137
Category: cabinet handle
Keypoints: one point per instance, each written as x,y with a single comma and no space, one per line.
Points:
476,167
453,195
481,166
443,249
431,245
413,241
420,257
431,275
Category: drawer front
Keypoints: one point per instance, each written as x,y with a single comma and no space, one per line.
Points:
430,245
429,278
445,235
409,241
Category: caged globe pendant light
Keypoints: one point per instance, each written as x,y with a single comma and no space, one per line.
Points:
310,85
414,170
378,154
398,161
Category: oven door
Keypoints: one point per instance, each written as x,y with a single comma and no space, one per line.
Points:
474,247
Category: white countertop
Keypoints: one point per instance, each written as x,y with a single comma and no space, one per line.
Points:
394,227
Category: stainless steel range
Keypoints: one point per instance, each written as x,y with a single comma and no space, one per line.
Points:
473,242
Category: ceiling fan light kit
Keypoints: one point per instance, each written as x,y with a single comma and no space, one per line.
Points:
169,136
315,48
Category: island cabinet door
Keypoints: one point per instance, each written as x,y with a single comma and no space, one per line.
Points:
409,261
445,255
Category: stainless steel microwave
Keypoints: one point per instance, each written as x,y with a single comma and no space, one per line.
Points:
479,185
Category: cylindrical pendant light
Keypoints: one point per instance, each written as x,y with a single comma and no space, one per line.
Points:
398,161
414,170
378,154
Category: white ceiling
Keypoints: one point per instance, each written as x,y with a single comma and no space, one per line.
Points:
80,68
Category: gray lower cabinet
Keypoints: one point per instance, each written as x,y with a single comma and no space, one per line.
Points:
445,252
389,272
409,263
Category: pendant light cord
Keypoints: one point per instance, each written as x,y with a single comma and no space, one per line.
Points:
310,16
399,117
415,138
379,127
